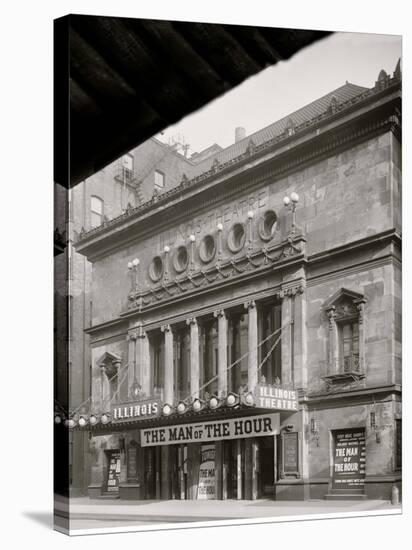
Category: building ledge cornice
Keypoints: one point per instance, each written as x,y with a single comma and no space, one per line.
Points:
280,147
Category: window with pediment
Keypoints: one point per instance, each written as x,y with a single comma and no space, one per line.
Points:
345,314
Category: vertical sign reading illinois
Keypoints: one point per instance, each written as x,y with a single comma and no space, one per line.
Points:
349,460
207,486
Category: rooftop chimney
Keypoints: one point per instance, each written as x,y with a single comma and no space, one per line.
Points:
240,133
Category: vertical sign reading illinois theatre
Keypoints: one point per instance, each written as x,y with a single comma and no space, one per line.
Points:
207,486
349,460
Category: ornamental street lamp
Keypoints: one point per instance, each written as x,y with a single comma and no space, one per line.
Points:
291,204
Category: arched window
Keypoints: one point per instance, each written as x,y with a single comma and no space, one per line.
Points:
96,207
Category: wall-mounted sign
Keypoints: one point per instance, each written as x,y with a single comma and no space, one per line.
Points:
276,397
207,481
113,471
139,409
349,460
132,461
291,452
217,430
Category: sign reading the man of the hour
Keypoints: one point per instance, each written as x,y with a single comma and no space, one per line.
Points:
252,426
207,480
275,397
349,460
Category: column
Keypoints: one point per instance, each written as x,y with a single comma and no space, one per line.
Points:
168,398
333,341
132,353
300,339
194,357
239,468
222,352
252,344
360,306
286,342
145,370
168,375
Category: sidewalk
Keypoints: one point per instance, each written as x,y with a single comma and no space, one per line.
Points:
86,513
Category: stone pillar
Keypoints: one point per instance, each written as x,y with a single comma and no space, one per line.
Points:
219,470
254,450
132,357
304,450
239,468
248,469
252,345
165,477
222,352
194,357
168,376
360,305
145,370
286,342
300,339
333,341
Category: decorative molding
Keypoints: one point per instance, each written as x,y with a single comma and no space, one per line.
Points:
230,271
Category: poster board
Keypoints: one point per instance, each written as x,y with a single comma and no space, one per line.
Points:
349,460
206,489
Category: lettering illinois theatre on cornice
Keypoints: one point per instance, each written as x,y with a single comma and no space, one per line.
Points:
227,214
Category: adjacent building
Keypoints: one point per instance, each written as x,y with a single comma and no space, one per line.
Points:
244,318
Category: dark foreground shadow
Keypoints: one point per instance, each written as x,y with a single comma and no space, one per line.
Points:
42,518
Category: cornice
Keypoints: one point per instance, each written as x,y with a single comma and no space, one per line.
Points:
294,154
351,397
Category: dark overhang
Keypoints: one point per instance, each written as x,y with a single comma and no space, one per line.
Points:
119,81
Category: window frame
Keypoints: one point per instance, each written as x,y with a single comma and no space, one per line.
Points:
95,212
157,186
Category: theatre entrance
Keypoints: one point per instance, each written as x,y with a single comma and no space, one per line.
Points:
165,472
249,468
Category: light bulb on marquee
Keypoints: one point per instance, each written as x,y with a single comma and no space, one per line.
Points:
197,405
167,409
249,399
231,400
92,420
105,418
213,403
181,407
82,421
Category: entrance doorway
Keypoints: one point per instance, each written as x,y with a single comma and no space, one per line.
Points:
266,467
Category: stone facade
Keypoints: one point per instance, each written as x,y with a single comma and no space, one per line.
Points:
225,267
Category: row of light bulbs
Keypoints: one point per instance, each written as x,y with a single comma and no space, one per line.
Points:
214,402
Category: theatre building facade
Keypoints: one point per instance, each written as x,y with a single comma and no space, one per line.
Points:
246,323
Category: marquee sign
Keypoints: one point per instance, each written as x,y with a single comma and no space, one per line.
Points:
139,409
217,430
276,397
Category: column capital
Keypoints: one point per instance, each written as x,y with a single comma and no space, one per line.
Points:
291,291
166,328
219,313
251,304
191,321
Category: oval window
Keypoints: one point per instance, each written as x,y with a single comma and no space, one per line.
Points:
207,249
156,269
181,259
268,225
236,238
